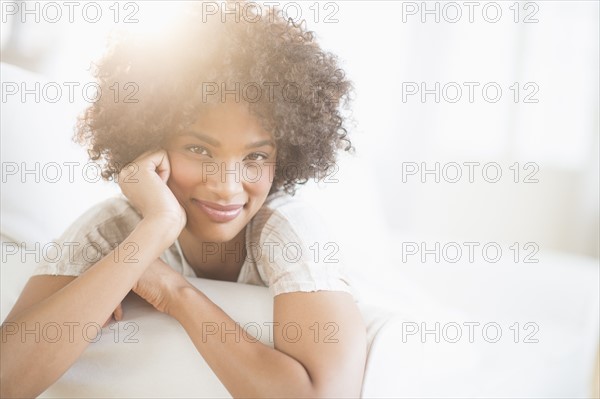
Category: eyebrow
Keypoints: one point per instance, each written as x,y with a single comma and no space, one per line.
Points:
216,143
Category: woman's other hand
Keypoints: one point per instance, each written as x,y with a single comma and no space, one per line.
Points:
159,285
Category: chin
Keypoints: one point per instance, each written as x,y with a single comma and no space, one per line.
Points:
215,232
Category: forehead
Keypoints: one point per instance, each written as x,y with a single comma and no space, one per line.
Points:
229,120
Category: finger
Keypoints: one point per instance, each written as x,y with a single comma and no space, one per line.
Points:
127,173
118,313
163,168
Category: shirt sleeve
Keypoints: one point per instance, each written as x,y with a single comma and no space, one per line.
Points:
89,239
296,252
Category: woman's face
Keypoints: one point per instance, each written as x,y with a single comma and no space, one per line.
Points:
222,169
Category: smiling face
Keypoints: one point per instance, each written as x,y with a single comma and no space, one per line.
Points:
222,169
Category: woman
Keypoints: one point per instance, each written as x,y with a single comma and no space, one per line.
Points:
208,131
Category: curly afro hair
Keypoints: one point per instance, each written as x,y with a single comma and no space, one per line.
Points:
152,89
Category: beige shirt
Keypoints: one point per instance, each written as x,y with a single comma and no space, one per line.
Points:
287,244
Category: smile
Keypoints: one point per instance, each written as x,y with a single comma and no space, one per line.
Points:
219,213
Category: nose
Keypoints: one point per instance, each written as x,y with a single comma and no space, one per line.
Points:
227,184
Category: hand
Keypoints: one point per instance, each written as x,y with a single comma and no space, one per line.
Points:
117,315
144,183
159,285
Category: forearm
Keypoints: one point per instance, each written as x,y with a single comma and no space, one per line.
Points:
247,367
31,361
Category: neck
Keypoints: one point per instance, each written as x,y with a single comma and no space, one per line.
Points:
214,260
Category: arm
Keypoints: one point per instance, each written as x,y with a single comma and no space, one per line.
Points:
30,362
333,366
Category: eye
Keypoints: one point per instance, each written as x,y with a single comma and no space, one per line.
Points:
197,149
257,156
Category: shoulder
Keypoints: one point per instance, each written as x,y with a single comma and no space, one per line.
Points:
116,211
110,220
91,236
294,249
284,215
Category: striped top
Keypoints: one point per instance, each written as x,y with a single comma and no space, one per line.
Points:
288,246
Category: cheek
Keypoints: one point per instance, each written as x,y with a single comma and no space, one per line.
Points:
259,180
184,173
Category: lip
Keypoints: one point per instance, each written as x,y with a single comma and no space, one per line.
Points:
217,212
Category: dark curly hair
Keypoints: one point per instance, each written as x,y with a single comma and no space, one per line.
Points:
153,89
